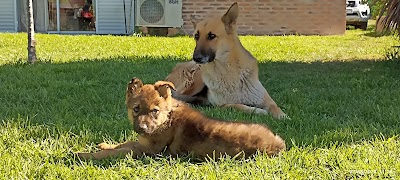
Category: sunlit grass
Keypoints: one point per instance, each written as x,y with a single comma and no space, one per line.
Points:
356,44
341,94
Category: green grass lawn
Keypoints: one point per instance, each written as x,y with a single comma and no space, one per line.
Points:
342,96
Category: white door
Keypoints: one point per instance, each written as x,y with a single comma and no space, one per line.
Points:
114,16
8,16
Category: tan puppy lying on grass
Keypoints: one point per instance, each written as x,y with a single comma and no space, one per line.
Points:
168,125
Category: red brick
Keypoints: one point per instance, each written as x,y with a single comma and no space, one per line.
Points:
208,8
217,5
277,8
187,12
199,4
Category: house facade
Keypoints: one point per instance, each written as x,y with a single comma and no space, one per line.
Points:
274,17
256,17
69,16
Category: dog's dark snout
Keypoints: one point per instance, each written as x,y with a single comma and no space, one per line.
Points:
197,57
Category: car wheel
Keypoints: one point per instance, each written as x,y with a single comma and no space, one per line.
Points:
363,25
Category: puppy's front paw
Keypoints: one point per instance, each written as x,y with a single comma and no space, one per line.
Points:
105,146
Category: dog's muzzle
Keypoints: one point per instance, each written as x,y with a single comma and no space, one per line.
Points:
200,59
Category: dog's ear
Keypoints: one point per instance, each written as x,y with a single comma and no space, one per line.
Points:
194,20
134,88
229,18
164,88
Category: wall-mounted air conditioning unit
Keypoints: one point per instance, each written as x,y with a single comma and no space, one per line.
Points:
159,13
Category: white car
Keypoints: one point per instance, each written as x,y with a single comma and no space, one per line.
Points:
357,14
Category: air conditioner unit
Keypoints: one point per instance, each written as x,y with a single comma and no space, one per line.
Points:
159,13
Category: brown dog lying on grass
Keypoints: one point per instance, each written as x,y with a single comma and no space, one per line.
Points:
168,125
223,73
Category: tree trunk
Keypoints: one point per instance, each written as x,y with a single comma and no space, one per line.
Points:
31,35
389,16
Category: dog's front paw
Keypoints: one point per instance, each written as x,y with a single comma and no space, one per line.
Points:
105,146
283,116
260,111
277,113
84,155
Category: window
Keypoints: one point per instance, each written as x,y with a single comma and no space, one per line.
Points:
74,15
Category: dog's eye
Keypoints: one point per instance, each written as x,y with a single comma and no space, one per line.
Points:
196,36
211,36
136,109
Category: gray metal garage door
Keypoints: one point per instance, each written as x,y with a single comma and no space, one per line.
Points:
113,18
8,16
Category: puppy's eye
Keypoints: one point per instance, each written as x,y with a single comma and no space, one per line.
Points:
197,36
155,111
211,36
136,109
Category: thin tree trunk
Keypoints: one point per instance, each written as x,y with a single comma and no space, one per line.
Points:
31,35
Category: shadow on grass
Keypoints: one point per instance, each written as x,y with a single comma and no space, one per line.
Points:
330,102
371,32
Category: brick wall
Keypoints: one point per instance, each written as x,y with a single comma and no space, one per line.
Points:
274,17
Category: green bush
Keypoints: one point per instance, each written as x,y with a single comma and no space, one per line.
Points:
375,6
